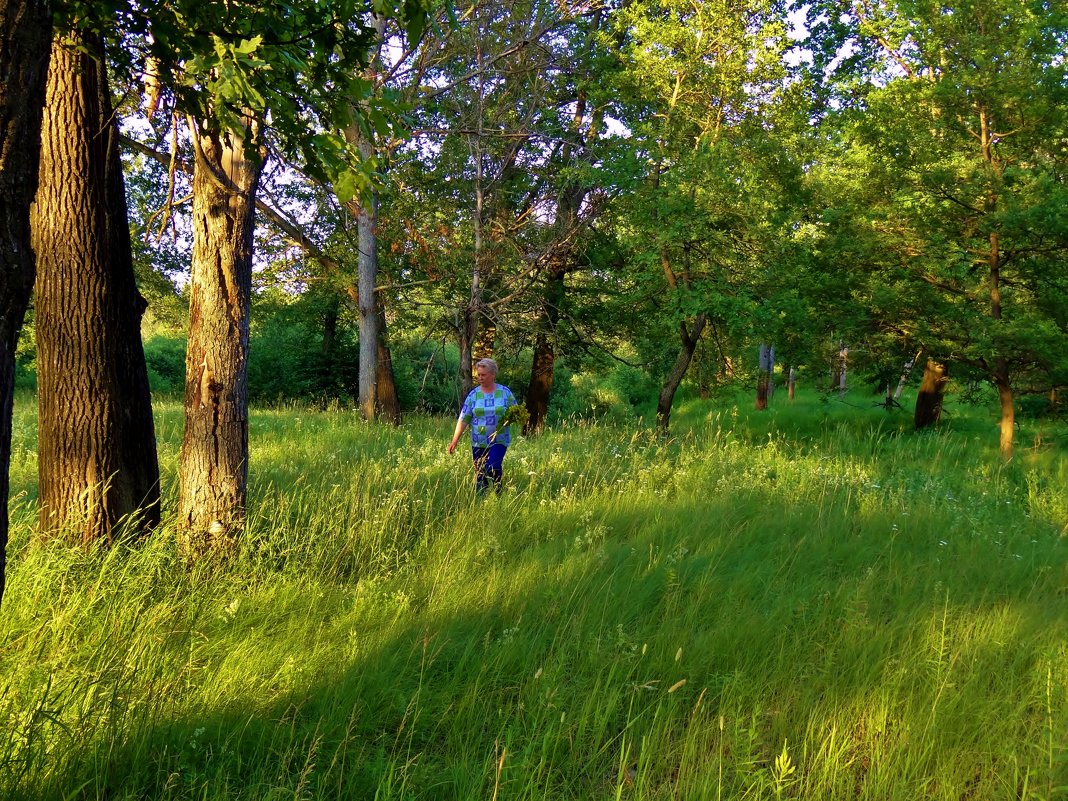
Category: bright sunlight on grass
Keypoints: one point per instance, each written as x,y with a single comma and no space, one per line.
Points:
810,603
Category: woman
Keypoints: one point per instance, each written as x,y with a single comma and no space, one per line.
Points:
483,408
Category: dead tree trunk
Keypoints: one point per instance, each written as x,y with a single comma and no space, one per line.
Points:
905,373
97,446
766,363
25,33
929,398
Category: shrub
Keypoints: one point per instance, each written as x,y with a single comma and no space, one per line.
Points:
165,359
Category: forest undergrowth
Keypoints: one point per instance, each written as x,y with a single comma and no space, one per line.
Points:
812,602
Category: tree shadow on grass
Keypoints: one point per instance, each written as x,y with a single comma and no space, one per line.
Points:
663,646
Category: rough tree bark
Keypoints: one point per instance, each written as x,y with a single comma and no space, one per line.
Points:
25,33
96,446
213,473
929,398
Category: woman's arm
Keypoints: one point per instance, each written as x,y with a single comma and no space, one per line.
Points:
461,426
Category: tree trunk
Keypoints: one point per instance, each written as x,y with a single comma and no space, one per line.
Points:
485,343
213,473
1008,409
386,399
543,365
689,340
368,273
929,398
25,31
540,388
96,446
467,325
1001,369
841,371
766,365
792,385
905,373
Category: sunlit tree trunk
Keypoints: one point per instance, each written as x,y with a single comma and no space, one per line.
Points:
929,398
96,447
213,474
368,273
792,384
25,33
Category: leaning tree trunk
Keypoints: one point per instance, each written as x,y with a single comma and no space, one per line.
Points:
929,398
905,373
213,473
96,447
25,31
689,340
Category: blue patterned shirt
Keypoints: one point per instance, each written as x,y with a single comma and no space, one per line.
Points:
482,410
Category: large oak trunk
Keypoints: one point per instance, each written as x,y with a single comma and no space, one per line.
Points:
929,398
96,446
689,339
214,465
25,30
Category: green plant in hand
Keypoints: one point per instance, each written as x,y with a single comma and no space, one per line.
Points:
517,415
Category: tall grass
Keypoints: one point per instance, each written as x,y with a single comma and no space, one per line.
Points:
810,603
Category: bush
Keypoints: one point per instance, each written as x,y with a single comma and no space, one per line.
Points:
165,359
427,375
616,394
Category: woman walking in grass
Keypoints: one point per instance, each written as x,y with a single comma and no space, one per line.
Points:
484,411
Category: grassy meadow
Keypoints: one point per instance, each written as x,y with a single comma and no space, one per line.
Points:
811,602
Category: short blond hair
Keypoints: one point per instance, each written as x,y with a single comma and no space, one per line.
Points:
489,364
